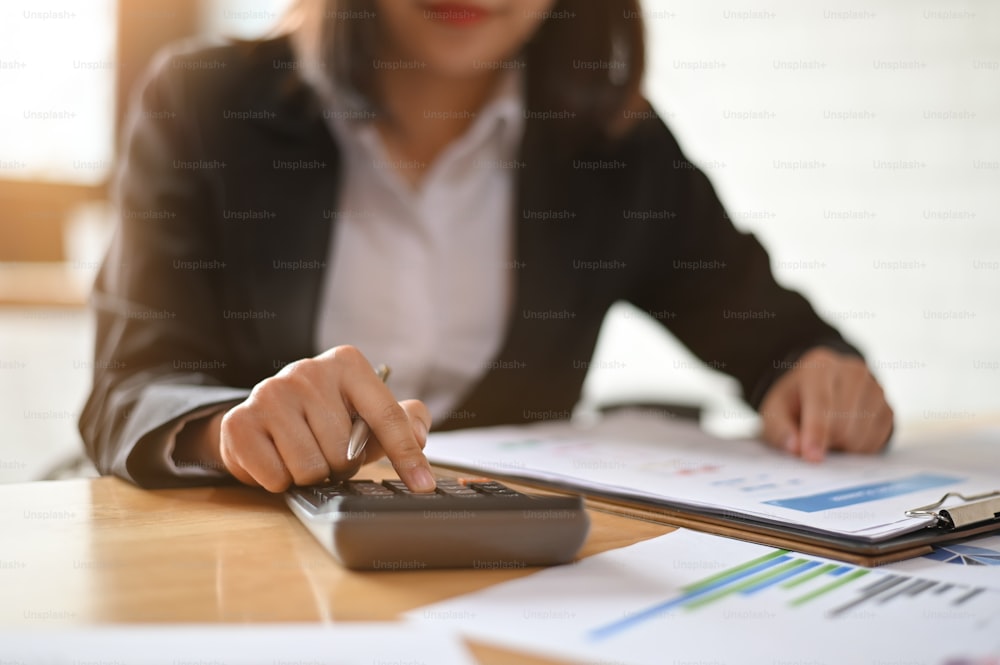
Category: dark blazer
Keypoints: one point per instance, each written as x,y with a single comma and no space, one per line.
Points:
228,195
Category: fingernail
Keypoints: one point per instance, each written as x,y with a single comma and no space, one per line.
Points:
422,430
790,444
421,480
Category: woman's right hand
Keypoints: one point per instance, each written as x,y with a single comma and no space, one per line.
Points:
294,426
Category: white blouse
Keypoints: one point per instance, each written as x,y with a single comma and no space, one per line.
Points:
421,278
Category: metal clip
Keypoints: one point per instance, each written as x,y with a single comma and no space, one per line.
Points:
977,509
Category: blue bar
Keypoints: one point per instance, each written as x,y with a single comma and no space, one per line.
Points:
779,578
607,631
840,571
850,496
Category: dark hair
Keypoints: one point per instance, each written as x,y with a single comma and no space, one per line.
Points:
585,63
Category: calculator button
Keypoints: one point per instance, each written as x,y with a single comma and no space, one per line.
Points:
399,487
454,489
461,493
371,489
459,487
331,491
494,488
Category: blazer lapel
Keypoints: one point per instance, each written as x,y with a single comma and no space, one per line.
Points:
280,247
544,215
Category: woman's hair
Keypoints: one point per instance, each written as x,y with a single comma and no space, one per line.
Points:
583,66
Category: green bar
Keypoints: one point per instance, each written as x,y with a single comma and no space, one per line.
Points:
814,573
763,576
850,577
732,571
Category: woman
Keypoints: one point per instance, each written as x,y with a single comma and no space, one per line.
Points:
458,190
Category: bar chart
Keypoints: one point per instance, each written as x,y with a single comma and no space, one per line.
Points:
795,581
694,598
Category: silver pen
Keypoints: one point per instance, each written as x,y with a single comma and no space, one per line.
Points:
360,431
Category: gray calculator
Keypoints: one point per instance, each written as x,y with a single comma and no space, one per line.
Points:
464,523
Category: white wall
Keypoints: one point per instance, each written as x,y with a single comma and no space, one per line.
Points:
792,108
242,18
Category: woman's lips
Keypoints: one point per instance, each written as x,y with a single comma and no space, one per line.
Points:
456,13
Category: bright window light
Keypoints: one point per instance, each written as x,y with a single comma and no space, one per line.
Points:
246,19
57,83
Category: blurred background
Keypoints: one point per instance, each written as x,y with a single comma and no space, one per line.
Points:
859,140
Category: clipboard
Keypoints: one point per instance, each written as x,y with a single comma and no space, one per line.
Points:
866,511
972,516
869,554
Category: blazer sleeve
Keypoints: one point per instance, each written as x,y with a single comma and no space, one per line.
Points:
160,355
711,285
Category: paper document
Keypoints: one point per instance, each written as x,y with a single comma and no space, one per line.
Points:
248,644
973,562
676,464
689,597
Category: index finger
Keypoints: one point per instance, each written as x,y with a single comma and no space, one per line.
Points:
376,404
816,427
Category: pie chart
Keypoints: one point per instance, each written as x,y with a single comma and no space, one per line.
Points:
966,555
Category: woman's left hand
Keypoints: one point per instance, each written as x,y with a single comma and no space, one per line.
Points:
827,401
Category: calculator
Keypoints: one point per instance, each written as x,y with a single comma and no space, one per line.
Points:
464,523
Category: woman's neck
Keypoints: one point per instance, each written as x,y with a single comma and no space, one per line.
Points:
426,111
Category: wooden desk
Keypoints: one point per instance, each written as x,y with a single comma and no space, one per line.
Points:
83,552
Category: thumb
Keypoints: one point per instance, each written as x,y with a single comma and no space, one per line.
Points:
780,417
